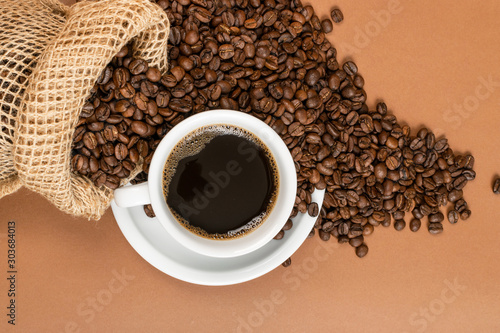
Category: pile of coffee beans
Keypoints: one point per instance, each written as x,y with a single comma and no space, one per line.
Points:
272,59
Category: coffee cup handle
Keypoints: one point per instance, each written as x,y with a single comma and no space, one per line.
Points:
133,195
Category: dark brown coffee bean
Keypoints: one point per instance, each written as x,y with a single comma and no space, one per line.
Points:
102,112
313,209
438,217
435,228
296,129
465,214
337,15
455,195
226,51
90,140
121,151
326,25
324,236
356,241
460,182
367,229
417,213
148,210
280,235
139,128
453,216
399,225
392,163
77,162
138,66
350,68
287,262
460,205
398,215
153,74
496,186
361,250
112,182
415,224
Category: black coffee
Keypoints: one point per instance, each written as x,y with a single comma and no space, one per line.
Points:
220,181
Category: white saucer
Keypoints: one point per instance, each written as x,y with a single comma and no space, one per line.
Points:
155,245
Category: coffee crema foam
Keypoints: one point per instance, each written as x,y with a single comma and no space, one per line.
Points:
192,144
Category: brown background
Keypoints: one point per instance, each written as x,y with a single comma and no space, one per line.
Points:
424,59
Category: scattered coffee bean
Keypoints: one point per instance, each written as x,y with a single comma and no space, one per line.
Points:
148,209
453,216
287,262
496,186
327,25
465,214
362,250
337,15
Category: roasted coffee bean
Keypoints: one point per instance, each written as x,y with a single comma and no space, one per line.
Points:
465,214
326,25
460,182
455,195
435,228
148,210
226,51
362,250
313,209
121,151
138,66
453,216
496,186
90,140
367,229
399,225
415,224
324,236
438,217
287,262
279,235
350,68
356,241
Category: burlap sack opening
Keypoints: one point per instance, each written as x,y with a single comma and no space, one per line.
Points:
54,55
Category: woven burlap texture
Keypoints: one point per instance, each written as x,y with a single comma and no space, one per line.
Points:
25,29
65,72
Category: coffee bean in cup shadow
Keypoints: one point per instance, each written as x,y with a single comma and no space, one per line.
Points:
279,235
148,210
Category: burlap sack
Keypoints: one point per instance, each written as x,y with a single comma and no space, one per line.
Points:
51,57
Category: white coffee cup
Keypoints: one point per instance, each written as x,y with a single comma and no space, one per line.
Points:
151,192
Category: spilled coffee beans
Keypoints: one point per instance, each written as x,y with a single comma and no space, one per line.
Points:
271,59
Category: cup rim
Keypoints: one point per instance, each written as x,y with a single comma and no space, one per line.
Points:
279,213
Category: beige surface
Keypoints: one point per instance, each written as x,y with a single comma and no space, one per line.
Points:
425,58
